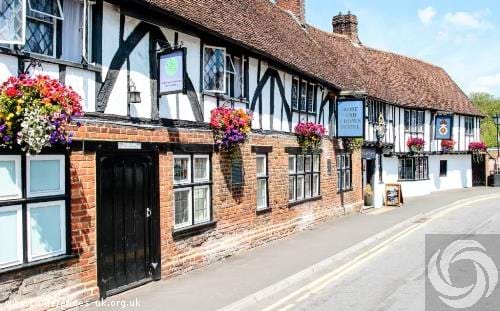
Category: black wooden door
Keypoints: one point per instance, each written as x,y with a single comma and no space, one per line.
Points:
126,184
478,170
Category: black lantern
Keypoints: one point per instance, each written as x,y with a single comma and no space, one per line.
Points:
380,128
134,94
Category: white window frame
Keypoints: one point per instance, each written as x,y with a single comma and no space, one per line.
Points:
294,164
303,164
223,91
59,7
190,208
62,215
310,163
207,205
294,188
17,164
184,181
19,234
48,157
316,159
262,176
315,185
207,170
23,34
301,186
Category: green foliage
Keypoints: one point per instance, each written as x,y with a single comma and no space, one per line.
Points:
489,105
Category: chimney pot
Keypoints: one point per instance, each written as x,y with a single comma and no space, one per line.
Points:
346,25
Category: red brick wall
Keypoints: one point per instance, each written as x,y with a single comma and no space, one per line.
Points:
238,226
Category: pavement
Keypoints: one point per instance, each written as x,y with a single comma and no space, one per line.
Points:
250,279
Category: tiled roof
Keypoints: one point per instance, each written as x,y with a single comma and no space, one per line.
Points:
265,28
257,24
391,77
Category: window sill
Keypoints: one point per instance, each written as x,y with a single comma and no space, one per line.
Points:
48,59
312,113
39,263
242,100
405,180
193,230
302,201
345,190
263,210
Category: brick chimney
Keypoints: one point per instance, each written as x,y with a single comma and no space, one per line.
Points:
296,7
346,25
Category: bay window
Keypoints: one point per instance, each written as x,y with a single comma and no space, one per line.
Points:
34,201
192,190
303,176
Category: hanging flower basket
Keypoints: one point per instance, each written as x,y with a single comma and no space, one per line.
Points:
309,135
231,128
447,145
352,144
35,113
415,144
477,148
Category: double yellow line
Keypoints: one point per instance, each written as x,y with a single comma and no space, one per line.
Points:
319,284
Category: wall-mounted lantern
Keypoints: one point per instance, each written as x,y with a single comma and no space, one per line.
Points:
134,94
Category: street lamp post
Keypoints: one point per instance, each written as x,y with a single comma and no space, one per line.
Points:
380,128
496,119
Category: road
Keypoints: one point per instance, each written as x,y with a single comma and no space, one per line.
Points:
391,274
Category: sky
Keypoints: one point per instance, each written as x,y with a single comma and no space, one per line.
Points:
462,36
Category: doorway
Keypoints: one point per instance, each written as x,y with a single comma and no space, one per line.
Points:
127,221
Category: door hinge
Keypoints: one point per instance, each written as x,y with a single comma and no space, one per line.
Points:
148,212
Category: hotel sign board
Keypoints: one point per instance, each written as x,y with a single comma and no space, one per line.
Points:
172,72
444,127
350,118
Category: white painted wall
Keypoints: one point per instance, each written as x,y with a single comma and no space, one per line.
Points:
459,176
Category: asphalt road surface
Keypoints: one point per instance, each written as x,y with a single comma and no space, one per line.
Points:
391,274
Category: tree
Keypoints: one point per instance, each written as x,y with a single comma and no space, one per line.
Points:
489,105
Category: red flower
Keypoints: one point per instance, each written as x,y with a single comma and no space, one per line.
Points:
11,91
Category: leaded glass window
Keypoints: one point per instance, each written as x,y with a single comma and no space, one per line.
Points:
12,16
214,69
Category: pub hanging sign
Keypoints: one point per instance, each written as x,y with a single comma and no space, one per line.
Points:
350,118
443,127
172,72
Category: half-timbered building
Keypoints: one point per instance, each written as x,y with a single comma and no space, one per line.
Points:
143,193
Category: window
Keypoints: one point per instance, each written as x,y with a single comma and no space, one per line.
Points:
32,226
310,98
469,126
375,109
262,200
414,121
214,69
192,187
56,28
304,176
443,168
344,172
303,96
413,168
45,175
12,17
234,77
295,94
